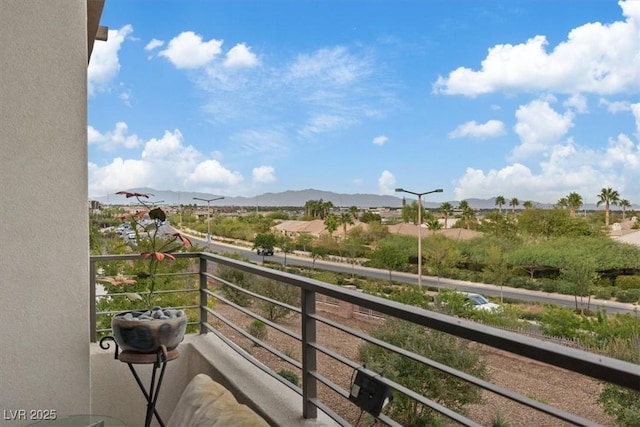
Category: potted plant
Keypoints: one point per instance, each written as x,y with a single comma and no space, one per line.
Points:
146,330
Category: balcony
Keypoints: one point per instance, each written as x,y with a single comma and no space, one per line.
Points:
224,349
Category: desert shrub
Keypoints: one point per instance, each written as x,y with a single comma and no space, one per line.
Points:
603,292
628,282
258,329
630,295
289,376
444,389
560,322
278,291
239,278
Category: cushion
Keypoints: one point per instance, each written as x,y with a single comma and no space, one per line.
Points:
205,403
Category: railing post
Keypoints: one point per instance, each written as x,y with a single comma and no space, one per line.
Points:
93,335
309,382
203,296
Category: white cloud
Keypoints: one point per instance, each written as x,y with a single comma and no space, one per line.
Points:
164,163
240,56
322,123
335,66
112,140
635,109
615,106
577,102
211,172
598,58
538,126
380,140
566,168
153,44
105,64
264,175
187,50
386,183
473,129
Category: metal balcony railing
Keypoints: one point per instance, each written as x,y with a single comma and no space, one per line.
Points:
596,366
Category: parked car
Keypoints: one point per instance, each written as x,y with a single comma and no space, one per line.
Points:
263,250
480,302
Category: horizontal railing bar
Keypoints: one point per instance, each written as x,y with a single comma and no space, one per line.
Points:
595,366
256,341
251,359
532,403
255,295
395,386
258,317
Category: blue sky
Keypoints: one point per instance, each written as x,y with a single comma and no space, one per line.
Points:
529,99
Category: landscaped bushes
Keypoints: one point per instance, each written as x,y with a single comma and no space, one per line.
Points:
629,295
628,282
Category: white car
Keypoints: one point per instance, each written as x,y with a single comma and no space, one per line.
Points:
480,302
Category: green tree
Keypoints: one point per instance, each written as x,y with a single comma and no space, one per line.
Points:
496,267
467,215
410,213
499,202
440,387
624,204
345,219
514,203
331,223
528,204
390,256
441,254
447,210
608,197
581,272
574,203
434,225
303,240
286,245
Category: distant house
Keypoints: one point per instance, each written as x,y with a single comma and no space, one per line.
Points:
294,228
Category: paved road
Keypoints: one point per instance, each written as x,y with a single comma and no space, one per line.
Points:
490,290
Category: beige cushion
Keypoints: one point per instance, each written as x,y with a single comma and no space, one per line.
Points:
205,403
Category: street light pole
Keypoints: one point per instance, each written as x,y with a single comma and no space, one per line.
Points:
402,190
208,214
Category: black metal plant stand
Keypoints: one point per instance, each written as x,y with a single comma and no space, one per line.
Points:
158,359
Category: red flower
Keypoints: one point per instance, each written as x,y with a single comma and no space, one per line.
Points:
157,255
128,195
185,240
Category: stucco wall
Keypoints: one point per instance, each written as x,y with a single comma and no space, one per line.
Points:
44,356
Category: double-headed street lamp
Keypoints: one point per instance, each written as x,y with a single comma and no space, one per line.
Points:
402,190
208,215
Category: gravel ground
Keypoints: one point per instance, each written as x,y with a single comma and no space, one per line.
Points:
547,384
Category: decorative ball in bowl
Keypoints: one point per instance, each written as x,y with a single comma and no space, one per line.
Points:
147,331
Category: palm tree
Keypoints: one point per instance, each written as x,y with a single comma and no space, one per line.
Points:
467,213
326,208
345,218
528,204
574,203
447,210
354,211
500,201
624,204
609,197
513,203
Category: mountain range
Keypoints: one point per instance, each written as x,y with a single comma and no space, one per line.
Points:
296,198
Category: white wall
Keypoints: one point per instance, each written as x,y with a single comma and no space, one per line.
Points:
44,331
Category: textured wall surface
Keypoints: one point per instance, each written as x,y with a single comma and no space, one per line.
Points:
44,362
